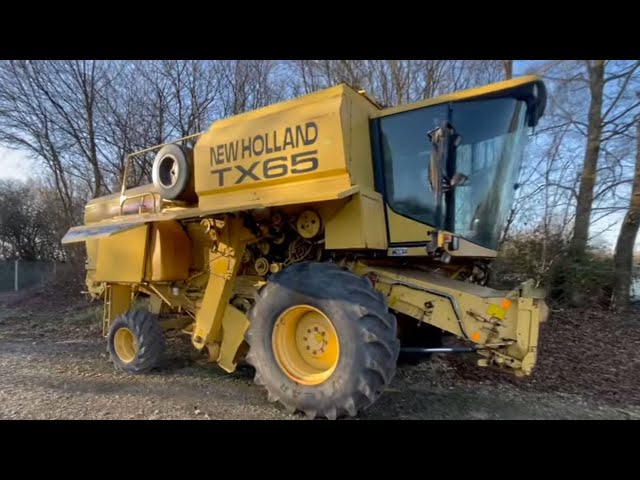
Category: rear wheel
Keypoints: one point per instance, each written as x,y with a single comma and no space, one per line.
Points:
135,342
305,345
322,340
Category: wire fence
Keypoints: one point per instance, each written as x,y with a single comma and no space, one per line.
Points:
22,275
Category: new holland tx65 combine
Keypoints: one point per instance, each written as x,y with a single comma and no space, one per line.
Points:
312,236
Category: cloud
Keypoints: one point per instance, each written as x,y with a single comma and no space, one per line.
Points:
15,164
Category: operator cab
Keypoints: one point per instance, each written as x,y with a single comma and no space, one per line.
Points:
452,163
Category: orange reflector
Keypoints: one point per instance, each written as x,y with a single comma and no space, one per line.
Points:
506,303
475,336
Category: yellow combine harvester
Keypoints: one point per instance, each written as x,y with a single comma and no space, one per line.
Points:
309,237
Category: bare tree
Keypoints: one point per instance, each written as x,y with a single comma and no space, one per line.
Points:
26,123
584,203
608,120
623,259
73,88
150,103
508,69
27,228
393,82
190,89
250,84
464,74
126,123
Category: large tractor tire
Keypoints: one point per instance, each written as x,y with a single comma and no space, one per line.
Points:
135,342
172,173
322,340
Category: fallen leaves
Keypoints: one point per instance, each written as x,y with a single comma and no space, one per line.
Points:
590,352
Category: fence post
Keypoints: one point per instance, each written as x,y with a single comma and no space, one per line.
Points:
15,276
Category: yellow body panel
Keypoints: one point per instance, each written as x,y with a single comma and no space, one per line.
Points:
92,254
223,265
318,190
169,253
359,224
201,243
108,206
467,310
121,257
234,325
314,190
460,95
469,249
405,230
292,141
357,112
311,149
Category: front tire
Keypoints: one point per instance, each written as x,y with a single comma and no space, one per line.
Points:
322,340
135,342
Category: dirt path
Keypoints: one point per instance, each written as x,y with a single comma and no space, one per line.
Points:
58,369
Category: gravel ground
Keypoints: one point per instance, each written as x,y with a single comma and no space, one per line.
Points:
54,365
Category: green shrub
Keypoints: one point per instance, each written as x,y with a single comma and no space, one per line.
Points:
584,280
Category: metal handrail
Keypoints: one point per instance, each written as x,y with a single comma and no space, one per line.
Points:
144,194
123,197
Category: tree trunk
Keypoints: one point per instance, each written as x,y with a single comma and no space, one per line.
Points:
588,177
623,259
508,69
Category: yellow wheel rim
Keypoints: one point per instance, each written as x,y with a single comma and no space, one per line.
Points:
306,345
125,345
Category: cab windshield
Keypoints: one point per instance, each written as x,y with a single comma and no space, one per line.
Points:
493,137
